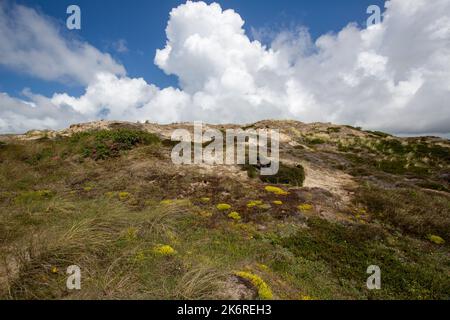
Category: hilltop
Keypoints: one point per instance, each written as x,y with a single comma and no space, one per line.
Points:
106,196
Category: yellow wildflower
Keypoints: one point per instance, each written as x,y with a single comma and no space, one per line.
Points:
223,206
164,250
276,190
124,195
277,202
436,239
305,207
235,216
254,203
264,291
263,267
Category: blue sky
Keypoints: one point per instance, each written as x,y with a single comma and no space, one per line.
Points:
141,23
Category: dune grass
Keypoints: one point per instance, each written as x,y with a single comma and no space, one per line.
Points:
141,228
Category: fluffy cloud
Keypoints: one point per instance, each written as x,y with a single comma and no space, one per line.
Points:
32,43
394,76
112,97
17,115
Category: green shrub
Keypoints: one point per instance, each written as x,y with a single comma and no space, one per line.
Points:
287,175
379,134
413,211
126,137
333,130
393,166
391,145
433,151
36,157
315,141
354,128
349,250
418,149
252,172
108,143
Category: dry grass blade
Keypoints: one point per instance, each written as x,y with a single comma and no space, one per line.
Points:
200,283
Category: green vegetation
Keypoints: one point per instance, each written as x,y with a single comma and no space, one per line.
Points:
287,175
252,172
333,130
379,134
353,128
412,211
315,140
348,251
388,145
112,202
293,176
390,155
108,143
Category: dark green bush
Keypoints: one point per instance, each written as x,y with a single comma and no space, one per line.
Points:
333,129
108,143
252,172
354,128
391,145
315,141
433,151
379,133
287,175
